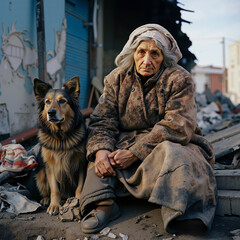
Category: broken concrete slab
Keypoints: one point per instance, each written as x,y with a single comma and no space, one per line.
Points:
228,179
228,203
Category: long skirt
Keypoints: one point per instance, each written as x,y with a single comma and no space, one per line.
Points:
178,178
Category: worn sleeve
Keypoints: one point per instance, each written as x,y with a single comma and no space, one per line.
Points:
103,126
178,123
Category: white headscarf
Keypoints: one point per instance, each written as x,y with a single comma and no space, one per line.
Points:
154,31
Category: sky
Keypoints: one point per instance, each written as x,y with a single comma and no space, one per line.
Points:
212,20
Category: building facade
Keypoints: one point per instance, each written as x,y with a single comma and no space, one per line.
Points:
66,45
234,72
208,76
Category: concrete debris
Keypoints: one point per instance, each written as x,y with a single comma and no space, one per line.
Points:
123,236
214,109
70,211
40,237
112,235
105,231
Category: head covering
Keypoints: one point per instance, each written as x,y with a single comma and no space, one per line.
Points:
154,31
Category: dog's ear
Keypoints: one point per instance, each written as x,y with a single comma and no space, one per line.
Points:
73,87
40,89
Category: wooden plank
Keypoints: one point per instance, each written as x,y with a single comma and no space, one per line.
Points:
226,146
221,135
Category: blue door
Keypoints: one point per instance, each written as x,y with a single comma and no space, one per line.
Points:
77,45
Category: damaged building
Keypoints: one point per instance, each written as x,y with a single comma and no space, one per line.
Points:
81,37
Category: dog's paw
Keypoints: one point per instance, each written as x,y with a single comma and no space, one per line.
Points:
45,201
53,209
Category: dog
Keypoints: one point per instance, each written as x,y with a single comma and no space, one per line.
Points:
62,137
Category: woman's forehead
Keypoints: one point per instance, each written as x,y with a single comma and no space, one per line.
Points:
148,44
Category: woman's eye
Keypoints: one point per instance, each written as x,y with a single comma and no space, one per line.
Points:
155,53
141,51
61,101
47,101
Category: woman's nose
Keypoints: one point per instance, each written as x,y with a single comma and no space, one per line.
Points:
147,59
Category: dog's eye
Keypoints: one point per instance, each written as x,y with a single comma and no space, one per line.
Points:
47,101
61,101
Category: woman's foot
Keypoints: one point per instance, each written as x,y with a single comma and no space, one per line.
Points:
98,218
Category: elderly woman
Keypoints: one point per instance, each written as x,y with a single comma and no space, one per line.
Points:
144,139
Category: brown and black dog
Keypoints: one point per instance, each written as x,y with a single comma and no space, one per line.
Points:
62,136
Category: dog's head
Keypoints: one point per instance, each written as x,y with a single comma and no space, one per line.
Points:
57,106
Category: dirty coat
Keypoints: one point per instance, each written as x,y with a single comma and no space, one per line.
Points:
156,121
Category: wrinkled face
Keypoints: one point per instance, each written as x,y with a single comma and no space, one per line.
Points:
148,58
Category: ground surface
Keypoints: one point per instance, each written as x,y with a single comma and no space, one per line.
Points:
150,226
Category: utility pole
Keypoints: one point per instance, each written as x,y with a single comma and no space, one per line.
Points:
224,80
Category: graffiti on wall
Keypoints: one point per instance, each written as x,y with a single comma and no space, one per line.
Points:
18,68
16,53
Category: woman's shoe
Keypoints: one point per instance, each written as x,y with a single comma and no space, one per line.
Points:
96,220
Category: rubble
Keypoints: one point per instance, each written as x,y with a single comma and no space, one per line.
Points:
70,211
214,110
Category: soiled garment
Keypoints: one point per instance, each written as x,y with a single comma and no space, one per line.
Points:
173,176
156,121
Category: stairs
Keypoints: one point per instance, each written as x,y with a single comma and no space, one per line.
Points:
228,185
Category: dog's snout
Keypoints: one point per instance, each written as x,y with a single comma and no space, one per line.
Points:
52,112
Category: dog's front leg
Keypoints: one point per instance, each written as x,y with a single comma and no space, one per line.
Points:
55,195
80,185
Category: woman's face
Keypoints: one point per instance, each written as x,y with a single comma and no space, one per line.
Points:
148,58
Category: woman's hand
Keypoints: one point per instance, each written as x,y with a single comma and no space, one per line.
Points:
122,159
102,164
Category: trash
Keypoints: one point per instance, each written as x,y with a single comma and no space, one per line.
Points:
19,203
139,219
25,218
159,235
123,236
105,231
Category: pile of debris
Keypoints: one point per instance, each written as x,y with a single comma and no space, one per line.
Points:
215,111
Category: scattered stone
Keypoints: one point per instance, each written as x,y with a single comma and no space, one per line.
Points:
76,213
94,237
123,236
40,237
168,238
74,203
85,238
112,235
235,232
105,231
236,237
159,235
66,217
154,225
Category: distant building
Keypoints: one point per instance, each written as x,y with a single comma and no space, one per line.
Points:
208,76
234,72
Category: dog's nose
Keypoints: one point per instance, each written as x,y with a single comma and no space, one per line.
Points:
51,112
